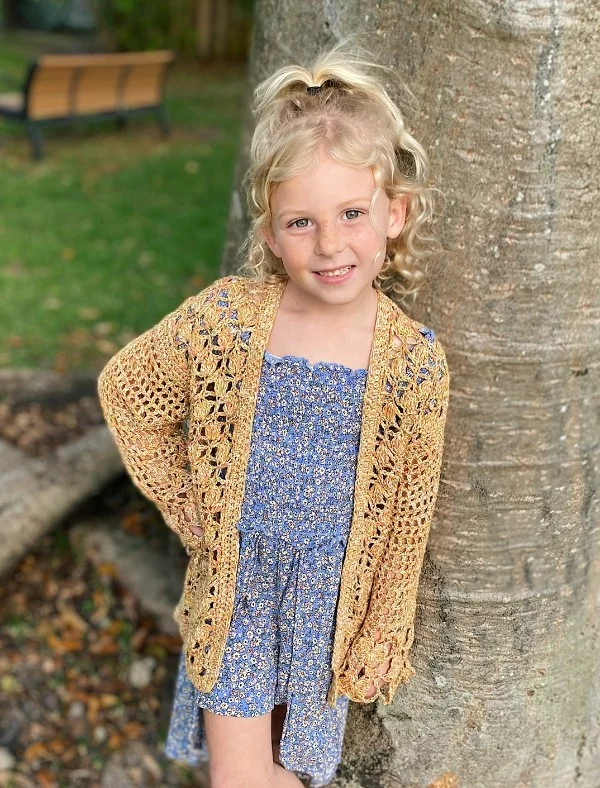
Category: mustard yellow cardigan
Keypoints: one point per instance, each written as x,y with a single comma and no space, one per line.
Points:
200,366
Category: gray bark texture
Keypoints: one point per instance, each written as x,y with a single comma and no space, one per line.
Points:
507,646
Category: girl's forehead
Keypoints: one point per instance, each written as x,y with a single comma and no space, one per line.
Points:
327,181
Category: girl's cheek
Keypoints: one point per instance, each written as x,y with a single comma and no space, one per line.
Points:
360,230
298,242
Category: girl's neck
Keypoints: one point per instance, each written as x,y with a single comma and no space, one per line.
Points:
296,304
343,334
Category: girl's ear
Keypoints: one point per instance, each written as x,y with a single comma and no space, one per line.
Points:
269,237
397,217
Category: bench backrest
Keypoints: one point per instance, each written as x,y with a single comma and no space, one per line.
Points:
63,85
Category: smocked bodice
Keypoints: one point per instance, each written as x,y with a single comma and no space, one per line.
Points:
305,441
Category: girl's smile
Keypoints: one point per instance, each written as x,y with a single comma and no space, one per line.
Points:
336,276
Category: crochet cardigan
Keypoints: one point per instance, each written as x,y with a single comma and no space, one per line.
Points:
180,401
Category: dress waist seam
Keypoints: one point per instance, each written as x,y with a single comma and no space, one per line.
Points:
327,545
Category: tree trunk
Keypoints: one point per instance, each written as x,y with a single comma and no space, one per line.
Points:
507,646
10,14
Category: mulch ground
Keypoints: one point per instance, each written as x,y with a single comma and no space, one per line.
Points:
37,429
69,635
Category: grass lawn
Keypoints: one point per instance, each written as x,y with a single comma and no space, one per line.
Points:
112,229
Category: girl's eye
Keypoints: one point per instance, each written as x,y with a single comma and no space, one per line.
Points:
302,226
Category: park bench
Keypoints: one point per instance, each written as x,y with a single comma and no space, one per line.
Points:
64,88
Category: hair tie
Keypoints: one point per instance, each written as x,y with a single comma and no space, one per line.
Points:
314,89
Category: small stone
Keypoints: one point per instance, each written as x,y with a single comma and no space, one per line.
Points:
10,684
140,672
48,665
51,702
7,760
76,710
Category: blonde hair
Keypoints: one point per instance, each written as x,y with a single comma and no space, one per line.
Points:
354,116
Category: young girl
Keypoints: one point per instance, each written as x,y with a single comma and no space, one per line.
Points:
304,486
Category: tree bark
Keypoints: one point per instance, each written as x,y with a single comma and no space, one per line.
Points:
507,647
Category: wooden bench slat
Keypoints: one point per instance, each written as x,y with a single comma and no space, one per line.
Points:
63,87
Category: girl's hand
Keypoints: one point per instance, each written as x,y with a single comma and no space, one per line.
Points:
382,669
195,529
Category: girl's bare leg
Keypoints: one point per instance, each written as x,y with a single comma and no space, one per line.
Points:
285,779
241,753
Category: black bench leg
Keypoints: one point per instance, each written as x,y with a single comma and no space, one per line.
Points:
121,121
37,140
163,120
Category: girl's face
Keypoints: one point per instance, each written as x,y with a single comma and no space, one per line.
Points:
320,222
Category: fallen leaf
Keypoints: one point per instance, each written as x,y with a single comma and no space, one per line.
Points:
107,700
139,638
133,523
170,642
106,346
58,746
115,628
104,646
63,645
103,328
145,259
93,705
46,778
89,312
107,569
10,684
71,618
35,751
115,741
133,729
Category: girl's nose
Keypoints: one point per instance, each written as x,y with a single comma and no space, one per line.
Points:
329,242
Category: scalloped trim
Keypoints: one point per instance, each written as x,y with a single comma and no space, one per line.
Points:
272,358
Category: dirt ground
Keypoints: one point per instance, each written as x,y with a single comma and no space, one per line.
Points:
86,677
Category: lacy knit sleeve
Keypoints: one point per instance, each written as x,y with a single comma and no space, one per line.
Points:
393,598
144,395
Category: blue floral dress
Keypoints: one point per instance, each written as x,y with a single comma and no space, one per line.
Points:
295,521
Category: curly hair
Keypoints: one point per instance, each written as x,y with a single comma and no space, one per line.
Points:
355,117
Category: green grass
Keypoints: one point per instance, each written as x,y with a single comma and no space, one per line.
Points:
112,229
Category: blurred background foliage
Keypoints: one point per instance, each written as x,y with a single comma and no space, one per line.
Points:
178,24
202,28
114,227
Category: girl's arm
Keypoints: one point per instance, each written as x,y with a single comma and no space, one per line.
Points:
377,661
144,394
